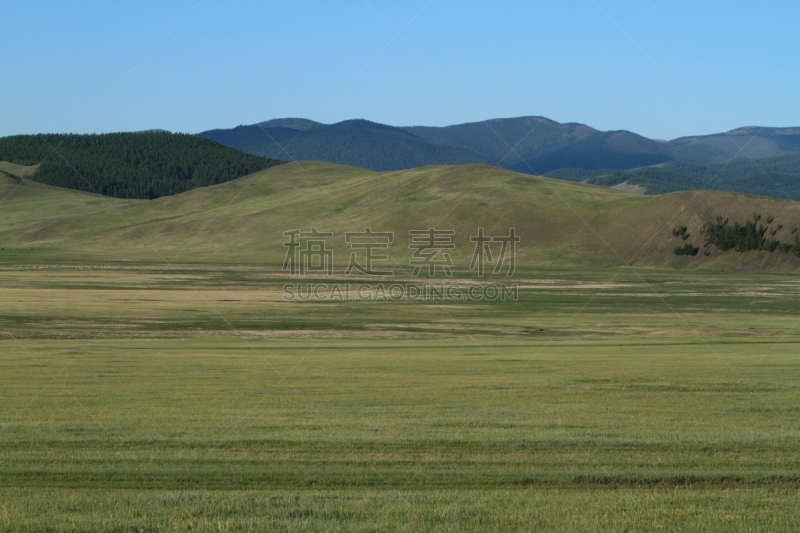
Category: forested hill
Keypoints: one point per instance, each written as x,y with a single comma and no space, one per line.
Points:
776,175
130,165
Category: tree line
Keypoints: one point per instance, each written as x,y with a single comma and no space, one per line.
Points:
752,234
143,165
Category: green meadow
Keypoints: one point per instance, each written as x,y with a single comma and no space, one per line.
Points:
199,401
153,377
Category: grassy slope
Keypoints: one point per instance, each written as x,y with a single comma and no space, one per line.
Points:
242,221
18,171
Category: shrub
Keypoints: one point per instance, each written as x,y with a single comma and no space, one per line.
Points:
680,231
687,249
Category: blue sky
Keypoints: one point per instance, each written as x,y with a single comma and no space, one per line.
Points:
662,69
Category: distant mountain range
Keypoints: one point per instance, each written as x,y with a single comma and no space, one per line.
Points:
752,160
360,143
526,144
537,145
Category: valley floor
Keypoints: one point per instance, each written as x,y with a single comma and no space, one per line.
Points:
194,399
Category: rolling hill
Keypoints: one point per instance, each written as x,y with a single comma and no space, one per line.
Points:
242,221
127,165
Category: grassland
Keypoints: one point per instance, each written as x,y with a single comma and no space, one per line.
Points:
242,222
198,400
166,385
15,170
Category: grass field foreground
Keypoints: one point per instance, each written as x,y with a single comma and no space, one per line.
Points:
196,400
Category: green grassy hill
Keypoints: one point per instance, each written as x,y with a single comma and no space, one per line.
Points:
15,170
242,221
127,165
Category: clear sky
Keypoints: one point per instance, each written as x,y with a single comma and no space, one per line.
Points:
662,69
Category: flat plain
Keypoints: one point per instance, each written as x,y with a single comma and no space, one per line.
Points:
194,399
